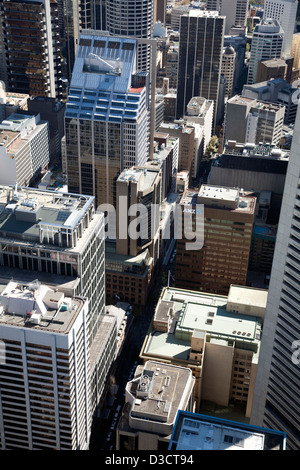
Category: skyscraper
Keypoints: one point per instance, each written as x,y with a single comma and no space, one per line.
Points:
30,31
228,68
267,41
47,406
106,118
200,58
58,239
132,18
284,11
235,11
223,259
75,16
276,397
68,240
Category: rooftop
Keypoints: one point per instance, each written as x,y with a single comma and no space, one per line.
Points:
257,104
34,305
144,177
255,150
220,197
158,392
29,213
194,431
101,87
257,298
201,312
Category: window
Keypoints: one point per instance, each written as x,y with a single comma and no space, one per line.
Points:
239,442
228,439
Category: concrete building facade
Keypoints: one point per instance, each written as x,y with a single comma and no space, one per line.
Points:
251,121
47,405
284,11
106,119
217,337
153,398
276,91
227,228
228,69
276,394
25,149
267,43
235,11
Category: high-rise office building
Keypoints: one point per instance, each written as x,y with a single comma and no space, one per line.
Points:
295,50
272,68
276,397
130,260
267,42
216,336
135,19
235,11
47,405
186,135
30,31
75,16
58,239
252,121
228,69
200,58
284,11
24,149
275,91
68,240
139,186
153,398
106,119
223,259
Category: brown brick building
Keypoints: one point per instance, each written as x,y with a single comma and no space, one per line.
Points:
223,259
129,261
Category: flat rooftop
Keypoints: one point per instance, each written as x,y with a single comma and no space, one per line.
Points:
24,211
241,100
194,431
193,308
263,105
144,177
248,296
255,151
218,192
16,122
101,86
36,306
159,391
220,197
205,312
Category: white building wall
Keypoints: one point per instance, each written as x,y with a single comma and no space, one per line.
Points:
276,396
53,372
267,41
284,11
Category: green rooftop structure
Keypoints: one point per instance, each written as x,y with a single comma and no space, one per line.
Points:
218,337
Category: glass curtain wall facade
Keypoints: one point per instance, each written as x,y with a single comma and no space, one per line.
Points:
200,59
32,47
106,120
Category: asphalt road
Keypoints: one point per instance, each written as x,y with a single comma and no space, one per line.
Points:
104,429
